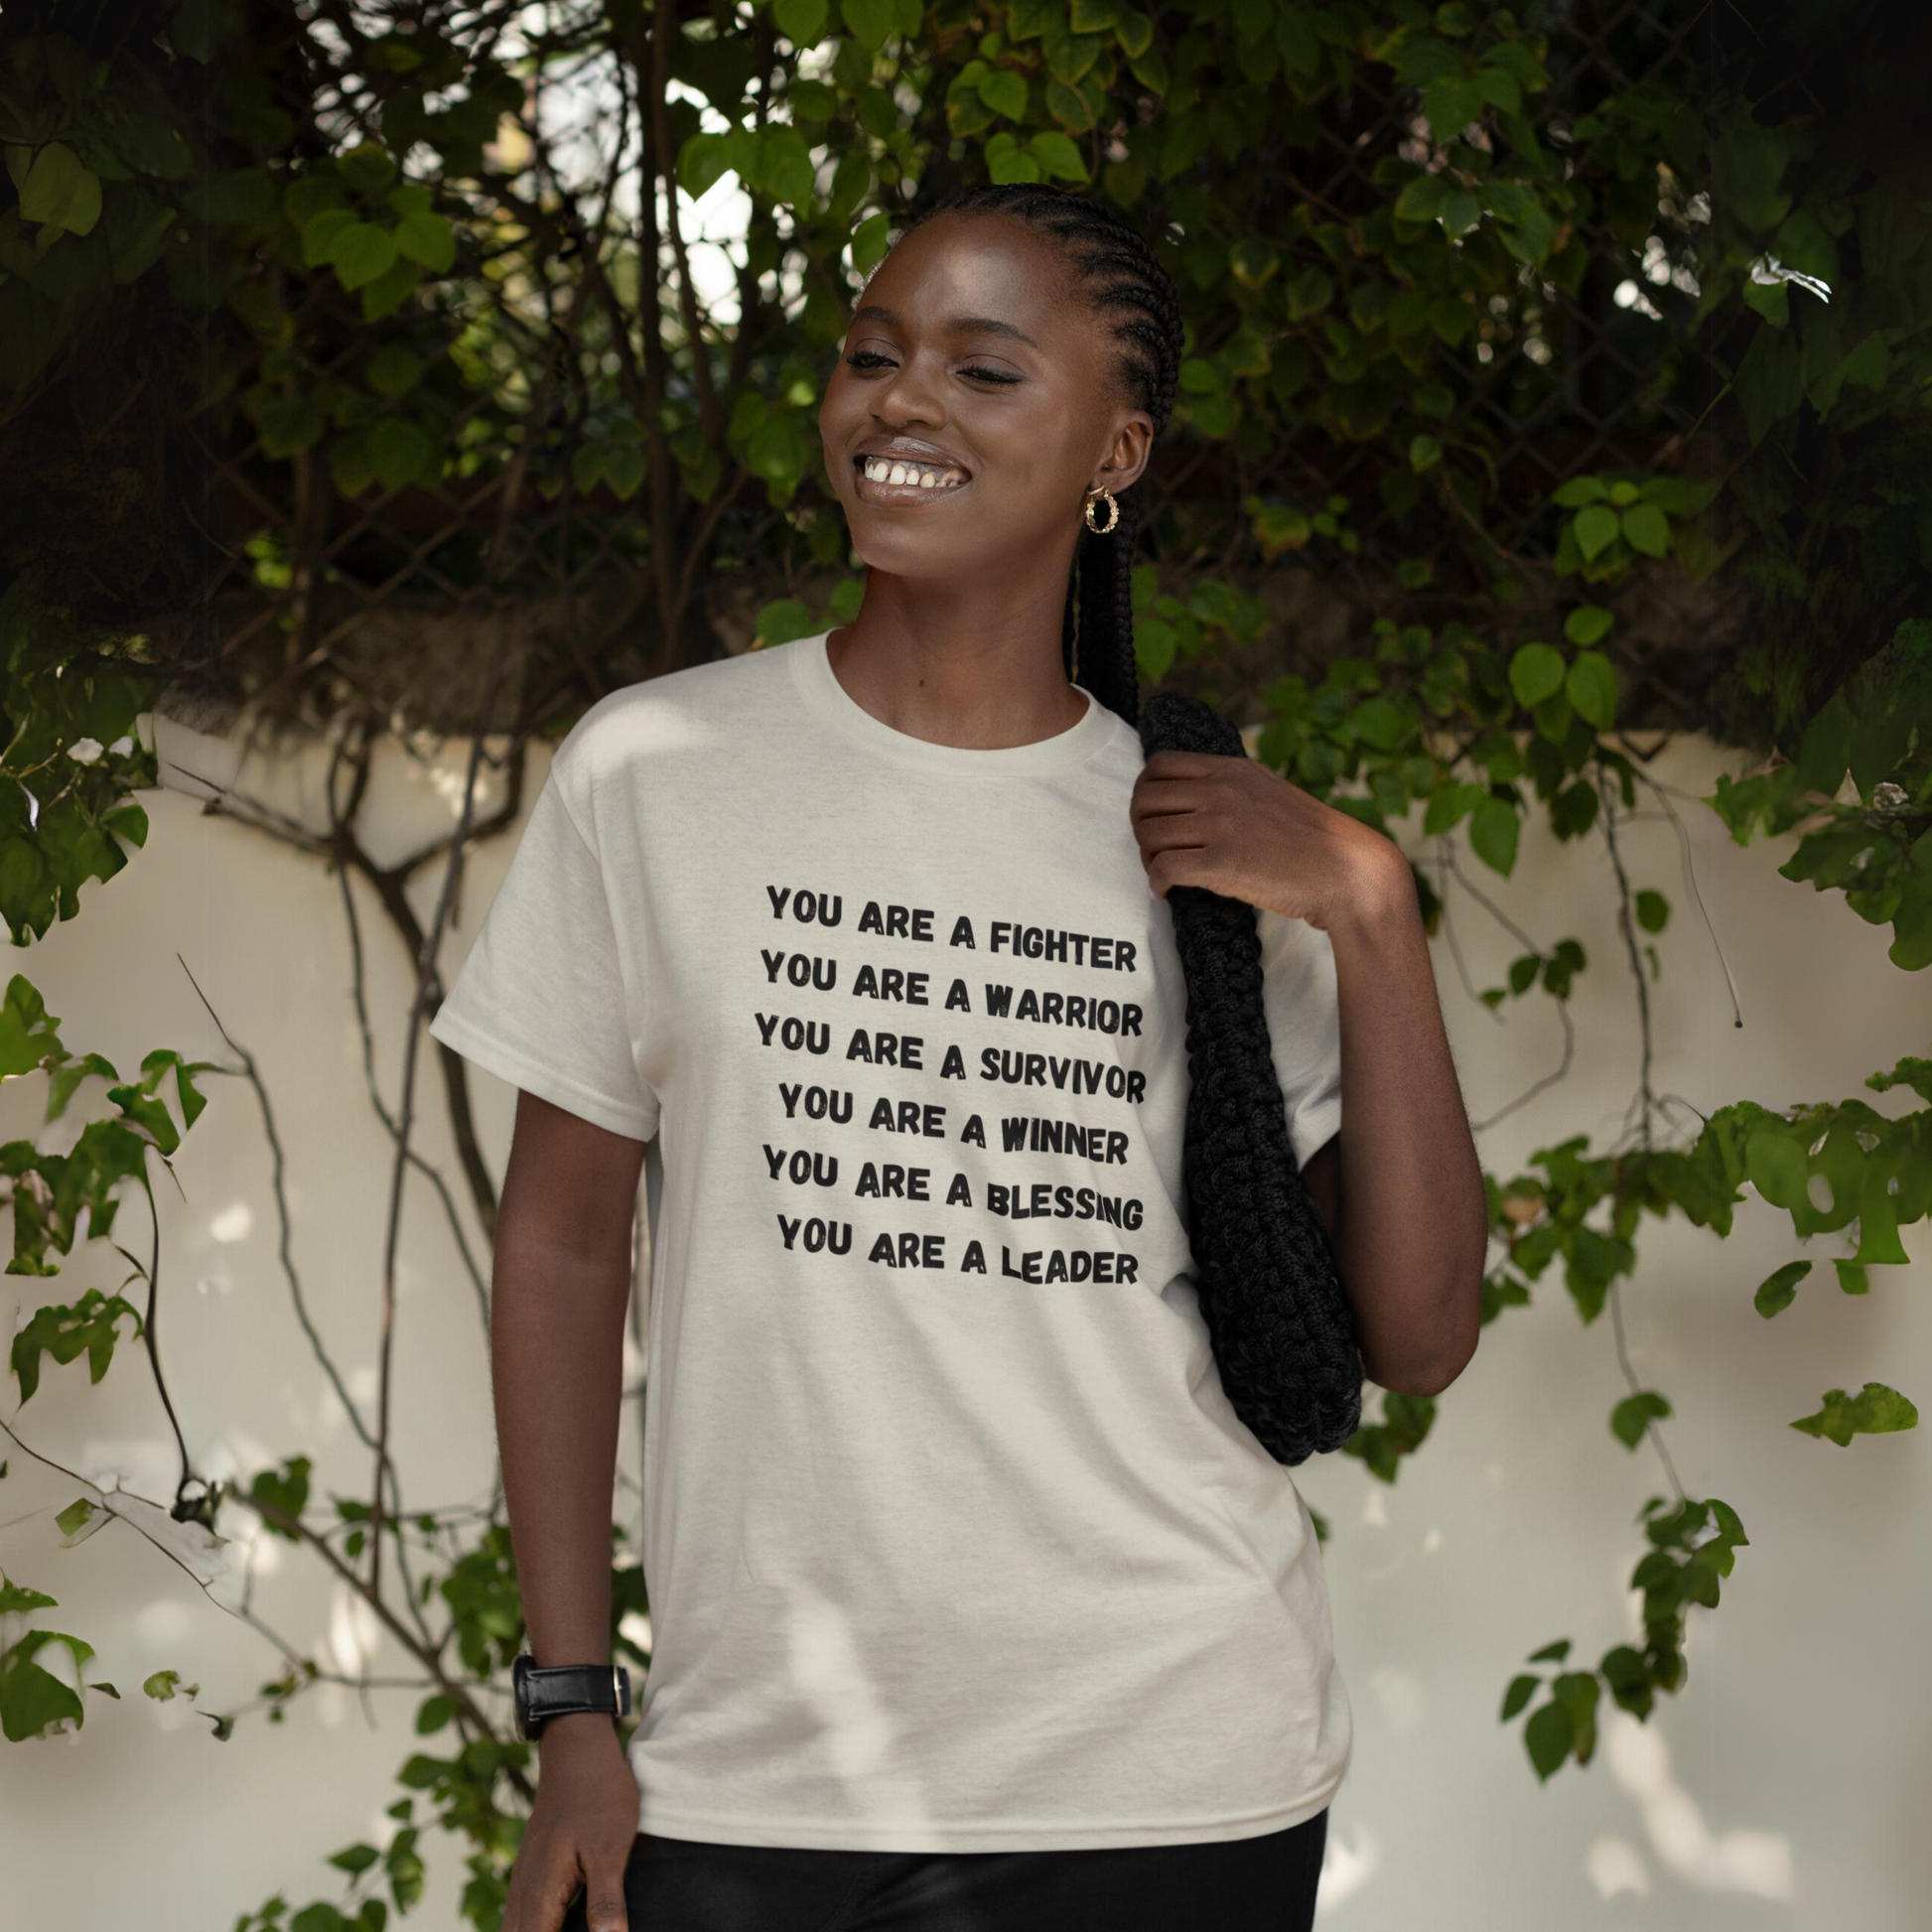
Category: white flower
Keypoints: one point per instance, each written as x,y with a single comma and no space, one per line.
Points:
85,750
122,746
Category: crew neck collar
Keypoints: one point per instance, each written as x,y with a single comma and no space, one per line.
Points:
819,685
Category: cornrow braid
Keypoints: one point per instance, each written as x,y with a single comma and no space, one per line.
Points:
1121,279
1281,1324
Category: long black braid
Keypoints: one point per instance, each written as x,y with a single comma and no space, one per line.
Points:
1121,280
1281,1327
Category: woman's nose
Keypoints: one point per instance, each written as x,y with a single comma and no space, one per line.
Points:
910,395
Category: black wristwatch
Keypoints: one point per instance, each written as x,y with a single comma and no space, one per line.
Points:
563,1689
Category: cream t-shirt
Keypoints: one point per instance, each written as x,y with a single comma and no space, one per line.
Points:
952,1538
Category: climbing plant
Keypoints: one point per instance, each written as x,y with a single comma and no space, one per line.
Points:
1574,370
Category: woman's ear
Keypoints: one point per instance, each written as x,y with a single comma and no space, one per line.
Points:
1127,456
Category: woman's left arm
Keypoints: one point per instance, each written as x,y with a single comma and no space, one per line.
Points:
1407,1213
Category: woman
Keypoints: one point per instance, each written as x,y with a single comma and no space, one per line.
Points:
973,1602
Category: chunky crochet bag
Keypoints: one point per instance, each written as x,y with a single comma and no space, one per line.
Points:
1281,1325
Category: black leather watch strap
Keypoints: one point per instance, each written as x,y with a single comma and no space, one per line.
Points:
543,1691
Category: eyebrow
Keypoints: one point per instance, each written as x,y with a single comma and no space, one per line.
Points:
955,326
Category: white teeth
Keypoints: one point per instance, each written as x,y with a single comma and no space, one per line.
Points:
913,474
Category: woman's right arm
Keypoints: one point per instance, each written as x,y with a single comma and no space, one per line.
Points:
560,1291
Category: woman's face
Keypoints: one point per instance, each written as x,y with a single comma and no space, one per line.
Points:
971,360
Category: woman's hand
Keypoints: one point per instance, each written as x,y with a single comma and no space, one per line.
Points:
1239,829
580,1831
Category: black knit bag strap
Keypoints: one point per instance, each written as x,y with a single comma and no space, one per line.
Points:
1282,1328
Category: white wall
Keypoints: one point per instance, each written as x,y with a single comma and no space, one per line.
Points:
1788,1785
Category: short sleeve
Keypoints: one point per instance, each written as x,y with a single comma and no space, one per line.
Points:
540,999
1300,995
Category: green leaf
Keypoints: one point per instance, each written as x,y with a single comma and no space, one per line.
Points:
285,1492
1461,213
1653,911
1536,673
1494,831
1578,490
1879,1220
1005,92
1059,155
1775,1164
29,1035
1645,528
434,1714
90,1326
74,1520
1279,527
31,1699
781,622
1069,106
1778,1290
426,238
1548,1736
1422,199
161,1686
1634,1414
785,167
1521,1689
801,22
1587,623
361,252
1597,529
870,241
404,452
1380,724
1591,687
393,371
1009,162
16,1599
868,21
1451,103
1156,643
1875,1410
58,192
702,162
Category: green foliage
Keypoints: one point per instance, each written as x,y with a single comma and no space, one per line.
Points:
69,755
49,1193
36,1701
1874,1410
1405,1425
1692,1548
1876,731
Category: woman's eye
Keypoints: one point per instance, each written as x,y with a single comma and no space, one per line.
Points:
866,359
989,376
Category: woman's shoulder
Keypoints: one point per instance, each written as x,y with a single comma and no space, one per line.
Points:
698,711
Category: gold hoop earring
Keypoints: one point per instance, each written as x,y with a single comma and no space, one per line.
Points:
1113,513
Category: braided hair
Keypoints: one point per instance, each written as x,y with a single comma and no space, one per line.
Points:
1282,1328
1119,279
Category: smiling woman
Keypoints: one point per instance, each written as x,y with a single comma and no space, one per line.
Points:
951,1539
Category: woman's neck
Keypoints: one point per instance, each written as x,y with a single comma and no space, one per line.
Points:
952,670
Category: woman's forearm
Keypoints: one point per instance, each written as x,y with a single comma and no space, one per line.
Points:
1414,1219
557,1342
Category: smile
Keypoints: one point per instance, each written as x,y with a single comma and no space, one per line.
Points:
899,480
